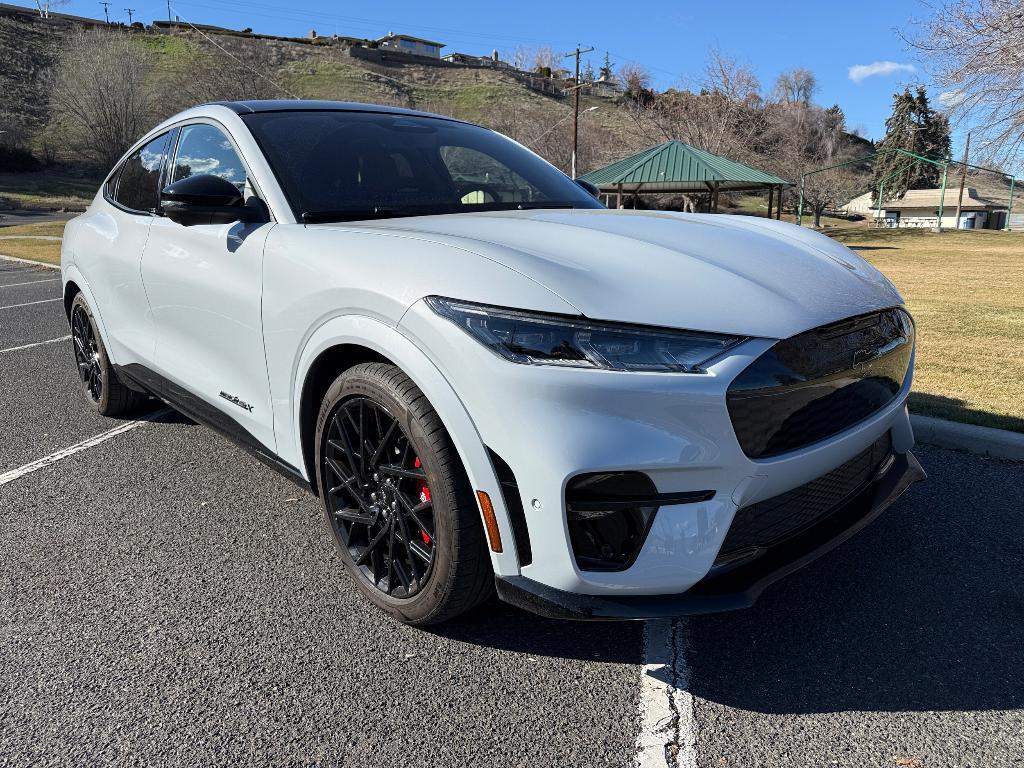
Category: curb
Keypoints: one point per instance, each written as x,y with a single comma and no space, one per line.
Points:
29,261
985,441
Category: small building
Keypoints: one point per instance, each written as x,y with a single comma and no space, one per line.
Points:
416,46
920,208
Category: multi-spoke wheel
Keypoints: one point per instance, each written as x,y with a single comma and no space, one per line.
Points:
397,498
87,352
99,381
379,498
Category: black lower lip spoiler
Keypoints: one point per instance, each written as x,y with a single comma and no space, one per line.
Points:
730,590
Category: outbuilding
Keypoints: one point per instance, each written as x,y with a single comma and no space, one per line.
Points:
676,167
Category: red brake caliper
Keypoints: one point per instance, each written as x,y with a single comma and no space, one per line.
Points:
424,493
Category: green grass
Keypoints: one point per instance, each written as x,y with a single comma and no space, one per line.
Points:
47,190
965,292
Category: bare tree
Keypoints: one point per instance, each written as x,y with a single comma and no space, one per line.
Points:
636,78
231,69
797,86
975,50
98,97
720,115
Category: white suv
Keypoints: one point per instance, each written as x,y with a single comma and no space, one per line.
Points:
490,379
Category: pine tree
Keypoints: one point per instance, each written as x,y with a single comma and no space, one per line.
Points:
606,72
913,127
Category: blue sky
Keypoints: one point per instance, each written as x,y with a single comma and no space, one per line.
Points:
671,39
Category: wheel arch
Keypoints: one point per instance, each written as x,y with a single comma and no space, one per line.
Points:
346,341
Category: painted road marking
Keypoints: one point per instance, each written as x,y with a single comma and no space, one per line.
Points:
34,344
667,737
91,442
30,303
33,282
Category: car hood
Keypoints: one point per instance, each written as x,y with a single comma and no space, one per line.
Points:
730,274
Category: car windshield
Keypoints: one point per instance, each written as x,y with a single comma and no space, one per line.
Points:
346,166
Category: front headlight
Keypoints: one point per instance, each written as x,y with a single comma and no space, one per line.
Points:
538,339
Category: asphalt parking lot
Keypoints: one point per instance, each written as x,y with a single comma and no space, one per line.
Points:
167,600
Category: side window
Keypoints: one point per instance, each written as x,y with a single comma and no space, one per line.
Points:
138,181
205,149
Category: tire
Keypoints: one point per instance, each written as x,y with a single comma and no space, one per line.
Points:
459,574
99,381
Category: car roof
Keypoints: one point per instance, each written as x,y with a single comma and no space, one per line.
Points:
317,105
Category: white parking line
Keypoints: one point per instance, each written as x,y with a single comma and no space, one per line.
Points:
667,735
33,282
30,303
91,442
35,344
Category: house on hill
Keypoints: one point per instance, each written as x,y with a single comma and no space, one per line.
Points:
409,44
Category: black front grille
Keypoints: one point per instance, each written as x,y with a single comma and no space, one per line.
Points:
767,523
812,386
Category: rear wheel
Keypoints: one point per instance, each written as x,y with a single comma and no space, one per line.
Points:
99,381
397,498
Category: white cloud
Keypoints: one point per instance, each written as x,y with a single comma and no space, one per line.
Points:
954,98
859,72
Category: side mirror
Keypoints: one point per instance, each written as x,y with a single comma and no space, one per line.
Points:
589,187
207,199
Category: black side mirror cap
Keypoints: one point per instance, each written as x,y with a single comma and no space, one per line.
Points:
589,187
207,199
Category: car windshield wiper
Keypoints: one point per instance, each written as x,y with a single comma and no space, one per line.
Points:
377,212
381,212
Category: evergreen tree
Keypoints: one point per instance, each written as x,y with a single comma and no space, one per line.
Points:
606,72
913,127
588,73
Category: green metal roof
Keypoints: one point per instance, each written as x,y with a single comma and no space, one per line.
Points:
678,167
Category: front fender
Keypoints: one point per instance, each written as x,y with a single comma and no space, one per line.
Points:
389,342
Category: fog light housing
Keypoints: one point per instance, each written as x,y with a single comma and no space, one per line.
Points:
610,514
607,526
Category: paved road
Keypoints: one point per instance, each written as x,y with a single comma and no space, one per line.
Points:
167,600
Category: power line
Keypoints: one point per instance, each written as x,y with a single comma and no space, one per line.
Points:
231,55
106,15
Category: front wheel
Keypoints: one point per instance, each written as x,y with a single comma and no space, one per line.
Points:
397,498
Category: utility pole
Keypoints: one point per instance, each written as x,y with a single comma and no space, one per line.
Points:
576,106
963,180
130,12
168,11
106,16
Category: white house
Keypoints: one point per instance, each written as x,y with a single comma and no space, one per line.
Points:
920,208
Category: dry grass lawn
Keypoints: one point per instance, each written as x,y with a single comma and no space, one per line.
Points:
16,241
966,292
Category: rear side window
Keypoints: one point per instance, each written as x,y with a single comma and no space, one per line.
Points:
138,183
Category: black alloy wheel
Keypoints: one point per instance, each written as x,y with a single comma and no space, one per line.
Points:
87,352
378,498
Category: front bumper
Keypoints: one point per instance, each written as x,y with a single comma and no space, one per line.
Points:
730,589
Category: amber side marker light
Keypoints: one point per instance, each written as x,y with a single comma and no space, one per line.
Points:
490,521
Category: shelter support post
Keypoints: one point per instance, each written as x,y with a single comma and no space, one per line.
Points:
771,191
1009,206
618,196
942,197
778,205
800,204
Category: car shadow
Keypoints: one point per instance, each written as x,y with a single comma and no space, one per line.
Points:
922,611
498,625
